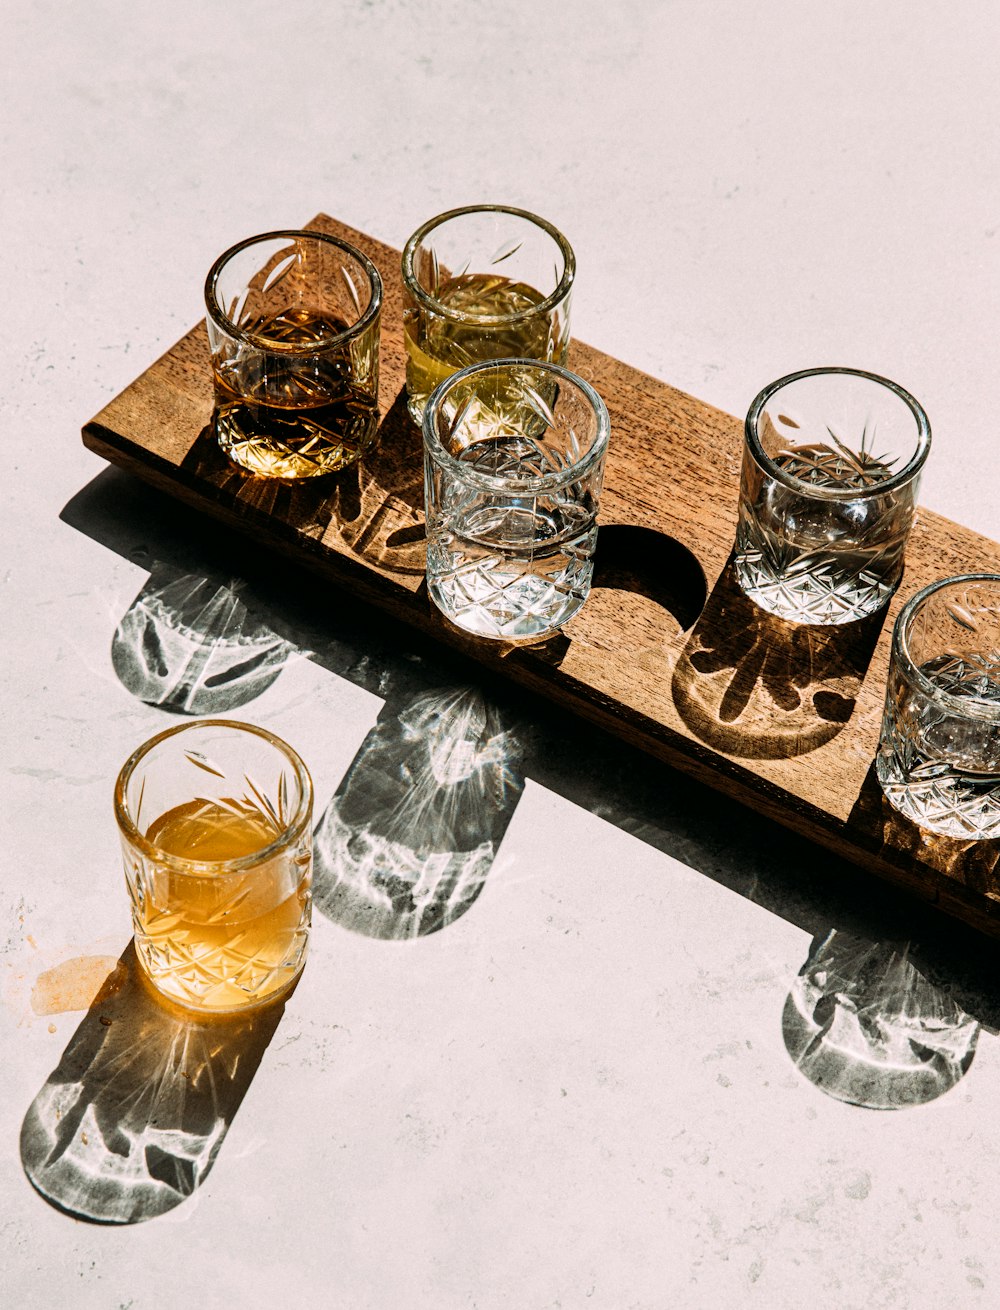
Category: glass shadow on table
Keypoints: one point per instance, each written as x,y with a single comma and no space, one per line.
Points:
877,1023
756,686
189,644
866,1025
405,845
129,1123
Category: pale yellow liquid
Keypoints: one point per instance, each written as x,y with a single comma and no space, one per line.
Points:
218,942
438,347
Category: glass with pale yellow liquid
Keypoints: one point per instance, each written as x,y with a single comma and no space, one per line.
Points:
483,283
215,819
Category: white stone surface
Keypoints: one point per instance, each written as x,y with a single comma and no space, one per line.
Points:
576,1095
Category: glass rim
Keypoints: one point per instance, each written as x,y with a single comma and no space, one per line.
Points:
435,448
222,320
430,302
818,492
180,864
903,659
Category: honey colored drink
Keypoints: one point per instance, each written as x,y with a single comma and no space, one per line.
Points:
297,406
438,346
225,940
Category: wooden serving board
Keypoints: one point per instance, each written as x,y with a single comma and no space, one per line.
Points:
666,653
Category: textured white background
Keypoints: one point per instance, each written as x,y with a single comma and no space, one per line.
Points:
577,1095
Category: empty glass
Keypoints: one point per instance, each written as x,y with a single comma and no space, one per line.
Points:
831,465
939,756
514,459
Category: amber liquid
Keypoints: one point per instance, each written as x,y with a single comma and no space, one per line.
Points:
438,347
218,942
284,414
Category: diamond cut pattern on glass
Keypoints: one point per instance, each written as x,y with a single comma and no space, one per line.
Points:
938,767
197,958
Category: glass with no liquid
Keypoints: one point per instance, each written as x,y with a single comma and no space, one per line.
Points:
513,464
479,283
215,821
293,326
939,754
831,465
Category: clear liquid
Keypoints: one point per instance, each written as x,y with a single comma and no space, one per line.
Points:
295,416
938,767
512,567
821,561
221,942
438,347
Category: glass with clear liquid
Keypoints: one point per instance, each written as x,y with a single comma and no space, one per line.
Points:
514,459
831,467
939,755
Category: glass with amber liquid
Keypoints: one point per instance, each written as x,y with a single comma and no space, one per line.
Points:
215,820
483,283
293,325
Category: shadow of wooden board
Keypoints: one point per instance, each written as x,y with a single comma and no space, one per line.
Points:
666,653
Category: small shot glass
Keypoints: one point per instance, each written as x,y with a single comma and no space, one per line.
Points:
293,326
513,463
480,283
939,755
215,821
831,466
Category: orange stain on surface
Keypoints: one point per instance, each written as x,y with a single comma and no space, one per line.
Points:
73,984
